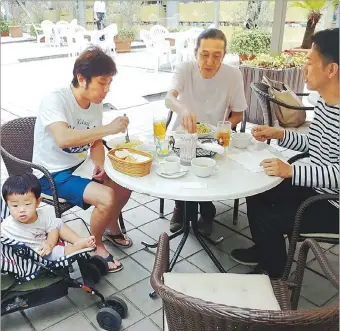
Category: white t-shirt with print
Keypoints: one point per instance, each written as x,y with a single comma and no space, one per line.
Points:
209,98
34,234
61,106
99,7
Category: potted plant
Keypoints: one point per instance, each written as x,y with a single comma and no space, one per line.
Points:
248,43
314,9
4,28
285,68
15,30
124,39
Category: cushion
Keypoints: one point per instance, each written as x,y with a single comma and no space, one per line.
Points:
238,290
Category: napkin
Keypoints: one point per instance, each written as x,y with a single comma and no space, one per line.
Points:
251,160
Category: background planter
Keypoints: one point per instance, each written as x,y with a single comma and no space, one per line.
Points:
4,34
293,77
245,57
15,31
123,45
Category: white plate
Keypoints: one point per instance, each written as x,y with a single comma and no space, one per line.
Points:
182,172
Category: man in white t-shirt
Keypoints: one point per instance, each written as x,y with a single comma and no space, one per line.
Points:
99,13
68,126
201,91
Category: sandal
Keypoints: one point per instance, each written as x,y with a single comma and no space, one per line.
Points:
111,259
113,239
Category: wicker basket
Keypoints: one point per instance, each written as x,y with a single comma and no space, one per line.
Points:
139,169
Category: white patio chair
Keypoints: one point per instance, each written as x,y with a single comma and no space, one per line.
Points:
158,48
192,40
159,32
39,33
74,22
76,40
62,22
46,27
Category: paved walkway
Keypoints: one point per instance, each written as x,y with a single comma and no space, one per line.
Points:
22,88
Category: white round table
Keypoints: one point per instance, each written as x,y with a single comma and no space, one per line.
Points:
230,181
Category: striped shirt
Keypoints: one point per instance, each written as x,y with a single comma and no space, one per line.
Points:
322,144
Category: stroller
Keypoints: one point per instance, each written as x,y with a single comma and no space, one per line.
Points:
29,280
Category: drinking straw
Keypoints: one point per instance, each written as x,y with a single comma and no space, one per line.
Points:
226,110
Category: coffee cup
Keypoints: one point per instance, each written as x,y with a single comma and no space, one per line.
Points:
203,166
170,165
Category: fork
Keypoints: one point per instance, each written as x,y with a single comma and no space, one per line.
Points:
127,138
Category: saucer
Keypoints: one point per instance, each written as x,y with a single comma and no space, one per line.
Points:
179,174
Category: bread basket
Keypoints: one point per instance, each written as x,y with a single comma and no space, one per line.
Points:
135,169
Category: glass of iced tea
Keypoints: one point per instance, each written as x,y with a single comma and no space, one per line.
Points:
223,133
159,126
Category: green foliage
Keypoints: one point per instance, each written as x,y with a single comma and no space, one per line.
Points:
250,42
315,6
282,61
128,34
33,32
3,26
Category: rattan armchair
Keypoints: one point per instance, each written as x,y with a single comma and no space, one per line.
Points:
188,313
17,139
296,236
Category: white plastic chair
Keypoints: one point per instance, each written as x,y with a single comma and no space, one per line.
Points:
158,48
159,32
74,22
62,22
46,27
192,40
76,40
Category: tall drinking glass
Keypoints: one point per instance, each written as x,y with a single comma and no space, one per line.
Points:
224,133
159,126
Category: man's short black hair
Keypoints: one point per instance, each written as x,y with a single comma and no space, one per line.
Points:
93,62
327,44
211,34
21,184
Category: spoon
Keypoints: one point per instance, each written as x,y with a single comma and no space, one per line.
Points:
127,138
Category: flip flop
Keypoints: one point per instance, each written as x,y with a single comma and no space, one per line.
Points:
111,259
113,237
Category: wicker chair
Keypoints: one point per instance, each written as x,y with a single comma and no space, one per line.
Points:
296,236
17,138
188,313
265,100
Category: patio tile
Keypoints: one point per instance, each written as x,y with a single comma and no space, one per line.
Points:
145,324
83,300
157,317
191,245
333,301
227,219
185,267
85,214
130,205
168,206
50,313
335,249
14,322
128,226
332,259
137,237
142,198
138,294
221,207
146,257
219,230
139,216
134,315
77,226
132,273
202,260
310,255
317,289
305,304
235,241
75,323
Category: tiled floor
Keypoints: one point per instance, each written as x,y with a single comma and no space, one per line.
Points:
78,310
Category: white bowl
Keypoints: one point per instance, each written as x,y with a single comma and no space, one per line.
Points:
203,166
241,139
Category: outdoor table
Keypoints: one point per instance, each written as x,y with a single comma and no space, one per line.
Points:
230,181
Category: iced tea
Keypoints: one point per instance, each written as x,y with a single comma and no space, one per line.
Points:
223,133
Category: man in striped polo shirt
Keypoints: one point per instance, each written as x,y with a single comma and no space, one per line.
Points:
271,214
